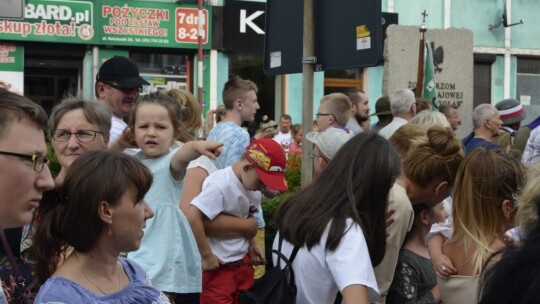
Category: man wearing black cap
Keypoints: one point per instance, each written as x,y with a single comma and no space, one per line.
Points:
119,84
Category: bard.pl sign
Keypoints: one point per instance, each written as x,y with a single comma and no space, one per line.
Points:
129,23
52,21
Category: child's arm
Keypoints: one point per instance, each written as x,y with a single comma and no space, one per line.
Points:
190,151
209,260
254,251
126,140
193,183
225,226
442,265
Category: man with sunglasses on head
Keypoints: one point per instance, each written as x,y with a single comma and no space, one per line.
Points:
119,84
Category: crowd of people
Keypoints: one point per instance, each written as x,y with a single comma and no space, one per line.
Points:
141,210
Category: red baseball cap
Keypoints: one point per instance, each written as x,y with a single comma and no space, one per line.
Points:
268,158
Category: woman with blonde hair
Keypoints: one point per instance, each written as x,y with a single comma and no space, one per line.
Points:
483,210
526,215
428,119
514,280
191,113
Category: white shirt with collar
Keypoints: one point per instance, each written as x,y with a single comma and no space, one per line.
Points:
392,127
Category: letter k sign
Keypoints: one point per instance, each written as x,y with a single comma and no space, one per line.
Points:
248,20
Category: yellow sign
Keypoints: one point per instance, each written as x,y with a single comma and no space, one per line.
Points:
362,31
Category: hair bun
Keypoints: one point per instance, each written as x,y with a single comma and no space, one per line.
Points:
443,141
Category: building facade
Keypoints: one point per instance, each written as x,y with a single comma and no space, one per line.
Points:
58,46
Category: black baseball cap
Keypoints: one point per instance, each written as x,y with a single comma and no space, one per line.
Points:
122,71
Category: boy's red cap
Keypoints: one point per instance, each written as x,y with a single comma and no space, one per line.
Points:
268,158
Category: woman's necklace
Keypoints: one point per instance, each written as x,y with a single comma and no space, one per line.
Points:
90,281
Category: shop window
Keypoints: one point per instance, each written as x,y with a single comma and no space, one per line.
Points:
528,85
341,80
163,71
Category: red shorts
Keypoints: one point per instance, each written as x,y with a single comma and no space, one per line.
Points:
223,285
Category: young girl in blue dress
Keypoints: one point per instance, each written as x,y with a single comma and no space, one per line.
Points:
168,249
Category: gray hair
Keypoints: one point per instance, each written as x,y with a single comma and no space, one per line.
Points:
401,101
481,113
97,113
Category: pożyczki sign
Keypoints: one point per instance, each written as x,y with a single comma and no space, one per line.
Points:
128,23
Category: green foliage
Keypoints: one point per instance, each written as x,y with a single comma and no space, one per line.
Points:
53,164
269,205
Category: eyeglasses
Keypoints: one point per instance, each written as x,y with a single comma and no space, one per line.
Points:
139,89
38,161
325,114
82,135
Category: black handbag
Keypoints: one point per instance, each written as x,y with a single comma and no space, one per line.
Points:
276,285
18,283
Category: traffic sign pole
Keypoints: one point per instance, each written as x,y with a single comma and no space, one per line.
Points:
307,91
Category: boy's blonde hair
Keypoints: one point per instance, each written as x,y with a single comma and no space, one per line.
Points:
236,88
339,105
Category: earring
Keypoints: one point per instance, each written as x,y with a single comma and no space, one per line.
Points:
109,232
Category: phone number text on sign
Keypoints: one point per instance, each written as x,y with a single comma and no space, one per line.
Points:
187,25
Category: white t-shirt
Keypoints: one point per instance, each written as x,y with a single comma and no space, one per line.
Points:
203,162
223,192
320,274
118,126
284,139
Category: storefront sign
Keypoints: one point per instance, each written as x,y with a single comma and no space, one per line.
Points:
11,57
52,21
187,25
149,24
244,21
128,23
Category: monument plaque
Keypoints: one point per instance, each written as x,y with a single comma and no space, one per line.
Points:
452,61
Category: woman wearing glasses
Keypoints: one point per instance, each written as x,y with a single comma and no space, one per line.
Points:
76,126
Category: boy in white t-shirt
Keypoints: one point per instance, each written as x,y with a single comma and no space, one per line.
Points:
234,190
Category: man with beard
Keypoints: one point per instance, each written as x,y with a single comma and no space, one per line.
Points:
119,84
359,109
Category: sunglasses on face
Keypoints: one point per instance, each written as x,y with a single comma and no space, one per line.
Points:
138,89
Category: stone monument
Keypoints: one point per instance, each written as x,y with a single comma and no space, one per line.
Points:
453,66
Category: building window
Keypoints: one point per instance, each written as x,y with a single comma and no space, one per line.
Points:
339,81
528,85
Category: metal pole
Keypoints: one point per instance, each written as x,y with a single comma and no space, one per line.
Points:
95,70
307,92
200,22
420,76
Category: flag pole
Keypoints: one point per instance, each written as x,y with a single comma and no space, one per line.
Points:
420,77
